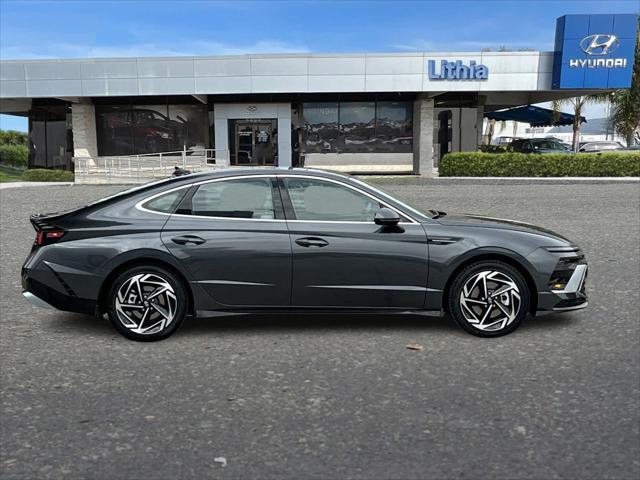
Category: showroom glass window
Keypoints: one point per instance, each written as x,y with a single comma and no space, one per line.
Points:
151,128
321,133
394,127
318,200
245,198
358,127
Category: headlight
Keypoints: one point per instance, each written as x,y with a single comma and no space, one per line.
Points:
164,135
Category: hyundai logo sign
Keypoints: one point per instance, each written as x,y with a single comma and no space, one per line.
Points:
594,51
599,44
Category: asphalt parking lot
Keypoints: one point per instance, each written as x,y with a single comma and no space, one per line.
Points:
334,396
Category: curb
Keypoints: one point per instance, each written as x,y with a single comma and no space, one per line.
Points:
549,179
7,185
512,180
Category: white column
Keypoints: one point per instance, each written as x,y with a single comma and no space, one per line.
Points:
423,137
83,119
284,135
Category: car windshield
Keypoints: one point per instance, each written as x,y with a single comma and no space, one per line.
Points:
546,144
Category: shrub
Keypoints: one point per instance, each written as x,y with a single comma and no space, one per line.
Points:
513,164
44,175
14,155
492,148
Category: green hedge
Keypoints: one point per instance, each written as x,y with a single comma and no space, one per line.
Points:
44,175
14,155
513,164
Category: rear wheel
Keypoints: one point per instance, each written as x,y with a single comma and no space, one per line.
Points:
489,299
147,303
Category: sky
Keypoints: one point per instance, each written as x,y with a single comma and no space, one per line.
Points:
81,28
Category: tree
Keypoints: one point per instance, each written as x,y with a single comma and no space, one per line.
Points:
625,104
578,104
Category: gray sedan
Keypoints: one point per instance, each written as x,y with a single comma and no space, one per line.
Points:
292,240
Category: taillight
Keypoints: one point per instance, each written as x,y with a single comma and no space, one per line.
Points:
45,237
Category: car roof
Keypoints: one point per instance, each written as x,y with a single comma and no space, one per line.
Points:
226,172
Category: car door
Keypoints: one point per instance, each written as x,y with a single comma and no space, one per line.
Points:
231,235
341,258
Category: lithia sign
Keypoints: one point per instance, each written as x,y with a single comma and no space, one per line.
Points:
456,70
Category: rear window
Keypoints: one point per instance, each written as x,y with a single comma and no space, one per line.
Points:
243,198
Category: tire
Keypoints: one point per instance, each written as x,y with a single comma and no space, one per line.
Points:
154,316
487,315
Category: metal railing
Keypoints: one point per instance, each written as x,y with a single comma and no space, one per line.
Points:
146,167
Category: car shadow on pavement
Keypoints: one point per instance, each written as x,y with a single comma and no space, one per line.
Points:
315,322
288,323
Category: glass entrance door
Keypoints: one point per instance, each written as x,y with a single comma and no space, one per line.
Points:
254,143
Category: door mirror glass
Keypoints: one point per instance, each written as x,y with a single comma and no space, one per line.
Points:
386,217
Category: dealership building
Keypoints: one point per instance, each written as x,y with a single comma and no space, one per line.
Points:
383,112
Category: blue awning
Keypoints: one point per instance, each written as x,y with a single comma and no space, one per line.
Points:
534,116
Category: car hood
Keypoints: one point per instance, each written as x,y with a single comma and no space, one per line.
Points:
501,223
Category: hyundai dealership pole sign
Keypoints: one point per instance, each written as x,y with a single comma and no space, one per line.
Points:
594,51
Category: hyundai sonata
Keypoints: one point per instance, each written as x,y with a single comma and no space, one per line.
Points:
292,240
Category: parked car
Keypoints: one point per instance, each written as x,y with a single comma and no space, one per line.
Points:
600,146
560,141
538,145
504,141
297,240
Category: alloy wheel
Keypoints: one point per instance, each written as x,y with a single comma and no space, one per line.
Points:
146,304
490,300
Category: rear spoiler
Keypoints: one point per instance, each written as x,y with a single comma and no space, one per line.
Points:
43,221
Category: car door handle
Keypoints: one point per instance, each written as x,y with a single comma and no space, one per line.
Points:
312,242
185,239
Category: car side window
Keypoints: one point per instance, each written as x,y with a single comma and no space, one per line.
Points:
241,198
165,203
319,200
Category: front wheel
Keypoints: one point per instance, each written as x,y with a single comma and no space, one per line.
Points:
489,299
147,303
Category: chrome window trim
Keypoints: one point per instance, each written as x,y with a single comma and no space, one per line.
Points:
402,204
140,207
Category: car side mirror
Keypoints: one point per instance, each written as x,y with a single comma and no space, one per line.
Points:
386,217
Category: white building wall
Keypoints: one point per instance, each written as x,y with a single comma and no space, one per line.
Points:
392,72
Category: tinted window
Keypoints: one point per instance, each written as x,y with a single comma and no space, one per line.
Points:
165,203
245,198
357,127
314,199
140,129
358,123
321,132
394,127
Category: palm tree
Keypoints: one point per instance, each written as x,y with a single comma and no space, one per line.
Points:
578,104
625,104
